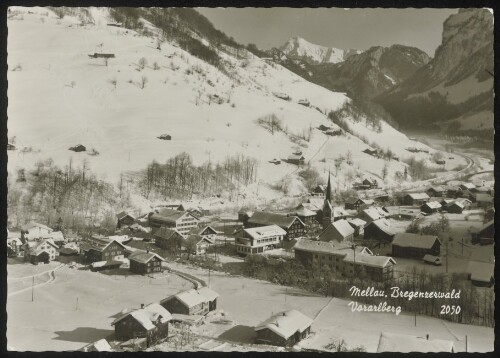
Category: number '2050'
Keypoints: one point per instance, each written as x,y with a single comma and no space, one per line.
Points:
447,309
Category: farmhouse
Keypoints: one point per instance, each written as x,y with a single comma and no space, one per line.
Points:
379,230
169,239
415,199
150,322
211,297
373,213
205,231
293,226
415,246
377,268
259,239
143,263
455,207
465,202
403,343
338,231
100,248
182,221
35,230
308,217
485,235
436,191
358,225
42,251
283,329
430,207
370,183
468,186
202,243
354,203
481,273
14,247
124,219
189,302
320,190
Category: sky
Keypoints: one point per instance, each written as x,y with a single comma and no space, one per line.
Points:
340,28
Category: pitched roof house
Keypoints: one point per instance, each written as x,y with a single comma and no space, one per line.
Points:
403,343
293,226
379,230
190,302
415,245
182,221
283,329
338,231
373,213
145,262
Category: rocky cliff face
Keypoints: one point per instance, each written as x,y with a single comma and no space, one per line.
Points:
454,90
298,48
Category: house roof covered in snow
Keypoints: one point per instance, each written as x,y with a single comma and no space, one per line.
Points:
144,257
208,293
340,227
356,222
481,271
328,247
123,214
433,205
287,323
405,239
402,343
369,260
339,211
148,315
266,218
33,225
468,186
375,213
265,231
101,345
98,243
437,189
169,215
191,297
200,230
166,233
303,211
418,196
483,198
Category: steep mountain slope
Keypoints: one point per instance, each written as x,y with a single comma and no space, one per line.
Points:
60,97
372,72
454,90
297,48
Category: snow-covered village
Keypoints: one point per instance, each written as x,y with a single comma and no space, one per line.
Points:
174,188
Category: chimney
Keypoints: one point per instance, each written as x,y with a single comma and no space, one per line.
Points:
142,305
427,336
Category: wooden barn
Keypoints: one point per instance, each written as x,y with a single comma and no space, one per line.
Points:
144,263
189,302
485,235
358,225
455,207
296,159
182,221
100,248
338,231
283,329
436,191
373,213
35,230
430,207
150,322
124,219
481,274
211,297
42,251
379,230
415,246
169,239
415,199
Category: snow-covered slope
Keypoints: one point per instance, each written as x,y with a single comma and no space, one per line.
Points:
299,48
60,97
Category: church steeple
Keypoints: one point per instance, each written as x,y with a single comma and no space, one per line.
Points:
328,190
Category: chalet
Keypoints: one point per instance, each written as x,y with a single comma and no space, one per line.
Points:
379,230
296,159
312,252
14,247
370,183
124,219
320,190
202,243
338,231
78,148
244,215
436,191
377,268
169,239
455,207
100,248
189,302
283,329
339,213
144,263
150,322
403,343
484,200
468,186
358,225
293,226
35,230
415,199
182,221
415,245
259,239
465,202
481,273
42,251
206,232
446,201
211,297
485,234
308,217
373,213
101,345
430,207
354,203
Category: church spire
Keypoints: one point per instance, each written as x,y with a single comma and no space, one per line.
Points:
328,189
